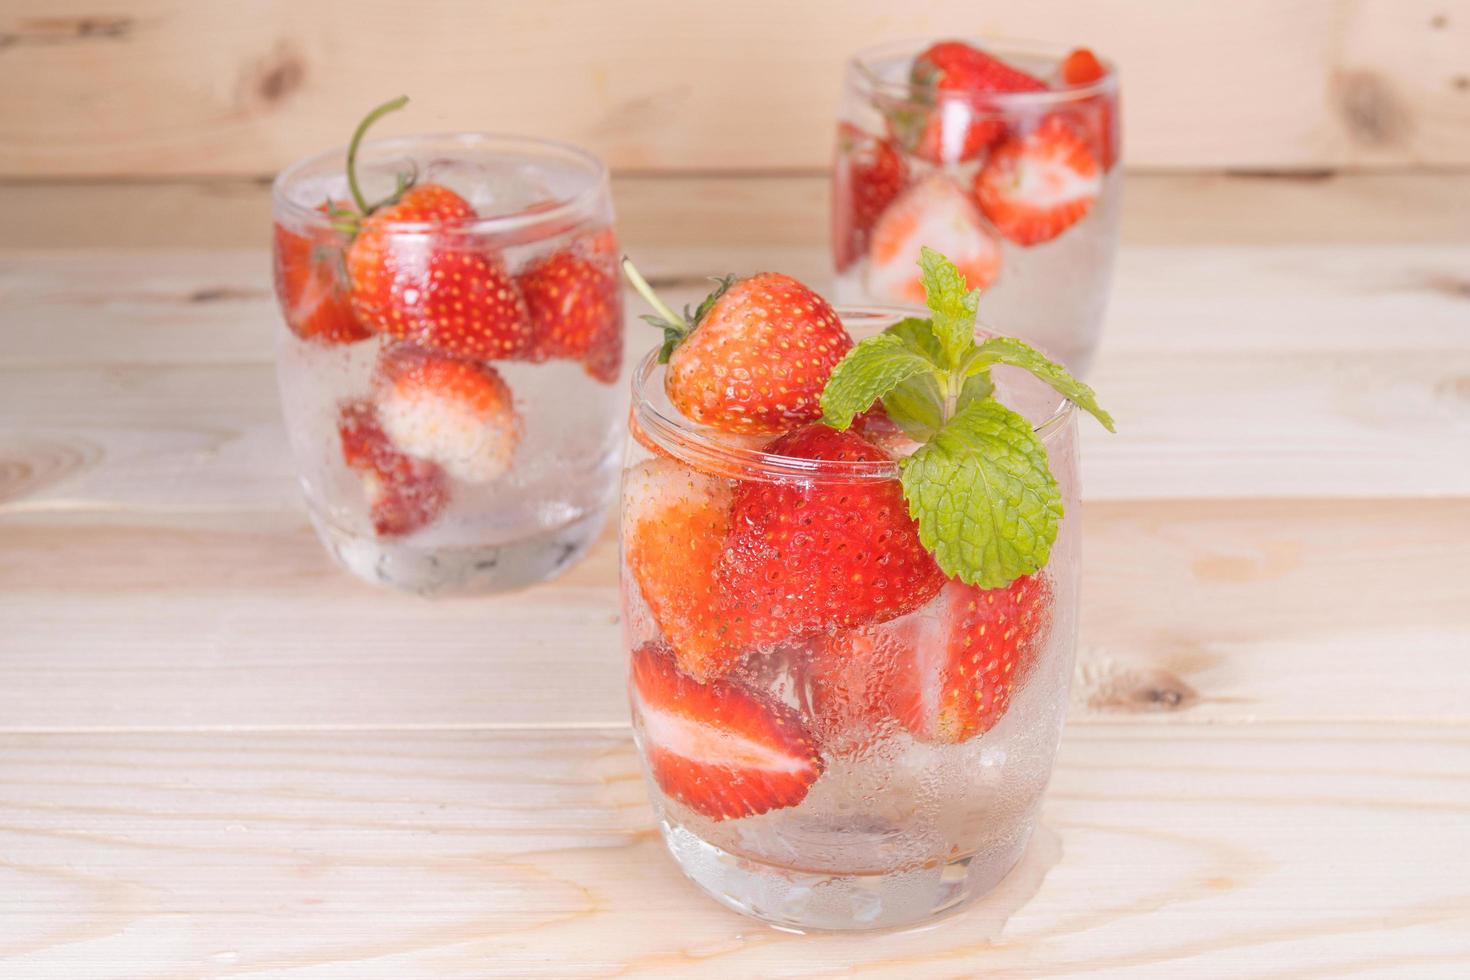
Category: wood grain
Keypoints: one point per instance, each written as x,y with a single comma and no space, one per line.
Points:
167,391
762,210
1227,611
1306,850
156,88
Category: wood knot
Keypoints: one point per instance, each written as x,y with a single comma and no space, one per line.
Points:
273,78
1105,685
1373,113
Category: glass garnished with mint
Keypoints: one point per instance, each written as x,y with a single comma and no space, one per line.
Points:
850,591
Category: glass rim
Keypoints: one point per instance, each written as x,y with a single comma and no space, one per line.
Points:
514,221
860,67
701,449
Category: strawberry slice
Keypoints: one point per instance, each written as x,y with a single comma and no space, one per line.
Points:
721,749
936,213
457,413
802,557
955,77
945,673
576,307
311,284
404,493
1035,187
1099,114
674,525
868,175
436,287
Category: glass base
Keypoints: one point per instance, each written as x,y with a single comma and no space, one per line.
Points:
462,571
799,901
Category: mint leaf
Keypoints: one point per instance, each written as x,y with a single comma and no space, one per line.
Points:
953,303
984,498
869,371
977,387
1009,350
916,406
918,335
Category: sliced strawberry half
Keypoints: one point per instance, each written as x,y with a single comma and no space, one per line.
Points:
311,284
575,306
674,526
806,556
457,413
938,214
1035,187
868,174
404,493
436,286
721,749
945,673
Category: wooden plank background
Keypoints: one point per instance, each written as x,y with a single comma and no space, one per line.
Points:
157,87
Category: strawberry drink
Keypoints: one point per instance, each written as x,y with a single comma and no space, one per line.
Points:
849,569
448,360
1005,159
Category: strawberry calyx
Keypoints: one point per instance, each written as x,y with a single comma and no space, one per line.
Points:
676,326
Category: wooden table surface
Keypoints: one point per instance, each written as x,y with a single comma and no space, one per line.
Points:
219,756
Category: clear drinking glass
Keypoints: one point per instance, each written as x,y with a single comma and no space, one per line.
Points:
903,816
450,385
1020,189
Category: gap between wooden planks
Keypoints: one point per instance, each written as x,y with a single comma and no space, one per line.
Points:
1277,850
752,210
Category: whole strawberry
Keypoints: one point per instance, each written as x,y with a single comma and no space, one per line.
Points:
807,556
459,414
311,283
437,289
576,307
754,357
417,274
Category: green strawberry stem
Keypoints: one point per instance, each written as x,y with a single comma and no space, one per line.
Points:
646,291
404,182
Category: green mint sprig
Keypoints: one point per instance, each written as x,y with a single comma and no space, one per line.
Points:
979,486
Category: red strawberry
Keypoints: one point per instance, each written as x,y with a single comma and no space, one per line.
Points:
961,124
869,174
756,357
311,284
437,287
806,556
945,673
457,413
936,213
721,749
674,524
1035,187
1099,114
576,307
1081,67
404,493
